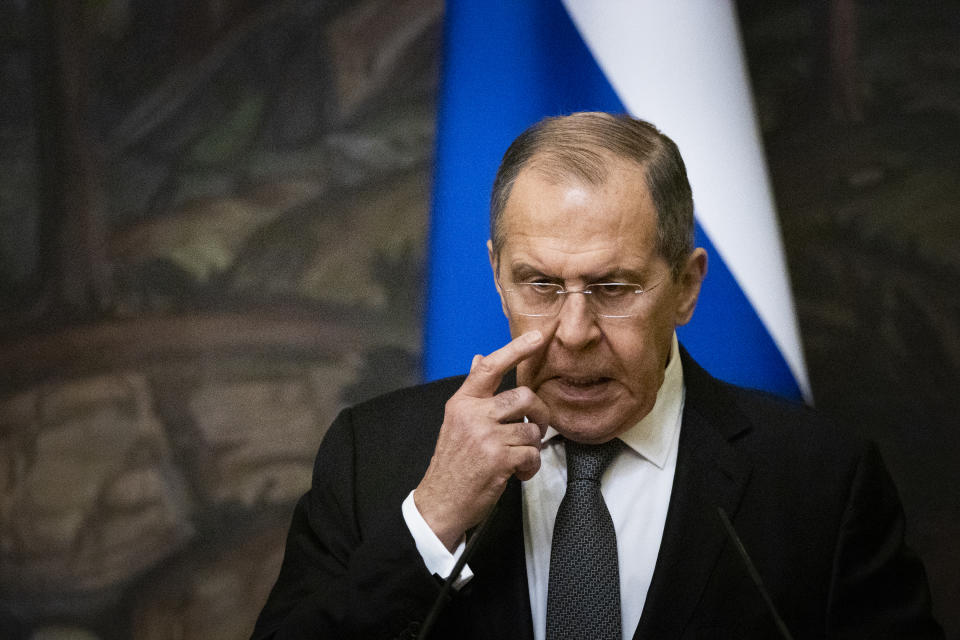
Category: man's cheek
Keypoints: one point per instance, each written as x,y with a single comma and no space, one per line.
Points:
530,371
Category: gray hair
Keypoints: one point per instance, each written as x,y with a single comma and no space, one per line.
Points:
580,146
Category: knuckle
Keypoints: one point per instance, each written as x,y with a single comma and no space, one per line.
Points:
452,405
485,367
530,459
507,399
525,395
458,405
528,432
535,432
490,449
535,458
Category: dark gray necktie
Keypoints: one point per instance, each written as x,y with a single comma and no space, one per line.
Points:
583,596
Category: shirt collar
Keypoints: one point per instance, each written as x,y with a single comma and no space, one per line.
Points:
651,437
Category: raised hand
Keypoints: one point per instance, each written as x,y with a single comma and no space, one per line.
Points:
482,442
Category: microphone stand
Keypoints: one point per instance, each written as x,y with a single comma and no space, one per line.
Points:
444,595
754,574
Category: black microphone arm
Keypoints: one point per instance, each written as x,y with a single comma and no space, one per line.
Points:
444,595
752,570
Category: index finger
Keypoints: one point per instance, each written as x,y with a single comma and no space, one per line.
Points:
486,374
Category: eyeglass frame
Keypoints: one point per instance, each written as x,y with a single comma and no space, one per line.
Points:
561,291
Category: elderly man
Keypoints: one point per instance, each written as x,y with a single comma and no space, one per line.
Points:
612,456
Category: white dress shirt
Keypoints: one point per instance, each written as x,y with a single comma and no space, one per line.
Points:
636,487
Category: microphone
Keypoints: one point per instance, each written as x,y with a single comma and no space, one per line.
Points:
444,596
752,570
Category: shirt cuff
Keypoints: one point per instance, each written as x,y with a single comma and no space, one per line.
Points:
435,555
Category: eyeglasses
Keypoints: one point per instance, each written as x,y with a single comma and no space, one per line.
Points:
606,299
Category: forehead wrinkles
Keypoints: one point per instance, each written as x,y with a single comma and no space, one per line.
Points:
587,250
616,209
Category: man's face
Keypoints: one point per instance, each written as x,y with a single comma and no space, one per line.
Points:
599,376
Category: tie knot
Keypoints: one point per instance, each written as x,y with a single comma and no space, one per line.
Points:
588,461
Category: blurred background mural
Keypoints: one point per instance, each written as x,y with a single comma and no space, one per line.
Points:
212,227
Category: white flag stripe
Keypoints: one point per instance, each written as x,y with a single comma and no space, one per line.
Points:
680,65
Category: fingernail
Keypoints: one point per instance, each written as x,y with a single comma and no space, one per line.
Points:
533,337
473,363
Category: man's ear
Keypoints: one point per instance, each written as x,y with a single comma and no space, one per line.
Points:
691,277
494,265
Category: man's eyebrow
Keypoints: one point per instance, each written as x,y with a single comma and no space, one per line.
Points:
522,271
633,276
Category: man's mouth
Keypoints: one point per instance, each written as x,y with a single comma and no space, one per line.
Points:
579,389
581,382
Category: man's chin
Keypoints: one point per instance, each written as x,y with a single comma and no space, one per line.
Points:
586,426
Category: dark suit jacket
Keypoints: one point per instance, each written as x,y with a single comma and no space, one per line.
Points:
813,505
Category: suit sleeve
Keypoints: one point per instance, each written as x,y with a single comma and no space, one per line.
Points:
338,580
879,588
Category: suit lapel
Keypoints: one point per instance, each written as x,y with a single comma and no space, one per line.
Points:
709,474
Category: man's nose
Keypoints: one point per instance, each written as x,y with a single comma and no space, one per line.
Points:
577,324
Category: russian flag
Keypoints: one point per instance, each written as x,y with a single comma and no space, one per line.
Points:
678,64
